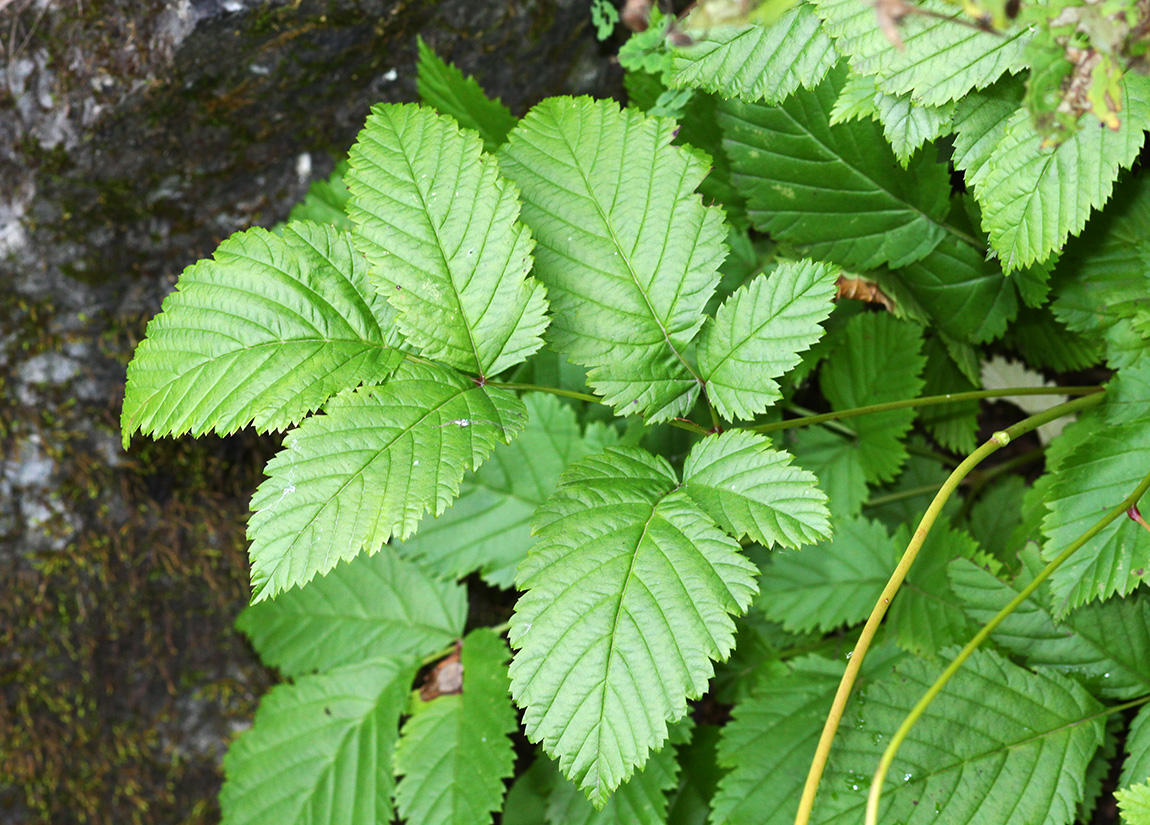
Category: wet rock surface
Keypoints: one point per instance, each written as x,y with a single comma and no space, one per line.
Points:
134,137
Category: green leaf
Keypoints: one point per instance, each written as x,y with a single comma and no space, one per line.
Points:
999,744
1134,803
699,775
438,225
369,468
877,359
1033,198
319,750
926,615
699,128
632,583
980,123
370,606
836,192
751,490
954,426
261,333
1136,768
756,62
1046,343
909,125
1102,277
996,514
488,527
834,584
1105,646
627,251
837,462
641,800
445,89
1094,478
326,201
965,296
941,59
758,332
1126,394
454,751
527,800
769,743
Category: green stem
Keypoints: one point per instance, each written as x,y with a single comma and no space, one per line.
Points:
578,396
838,706
890,498
928,697
681,423
925,401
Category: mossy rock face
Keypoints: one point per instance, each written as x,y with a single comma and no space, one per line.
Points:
142,133
134,137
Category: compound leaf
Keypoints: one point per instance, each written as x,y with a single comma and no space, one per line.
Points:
488,527
320,749
941,60
369,606
454,751
758,333
836,461
261,333
634,585
1105,646
994,726
834,584
836,192
751,490
877,359
439,227
628,252
757,62
445,89
369,468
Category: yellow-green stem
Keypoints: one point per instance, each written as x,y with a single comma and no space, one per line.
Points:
925,401
928,697
838,706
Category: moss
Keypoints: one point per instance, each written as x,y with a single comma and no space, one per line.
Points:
106,643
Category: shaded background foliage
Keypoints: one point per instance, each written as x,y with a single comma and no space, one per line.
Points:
133,137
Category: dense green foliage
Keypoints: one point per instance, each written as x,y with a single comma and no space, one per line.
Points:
597,357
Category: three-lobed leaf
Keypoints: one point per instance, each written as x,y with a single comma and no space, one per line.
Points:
632,586
369,468
439,226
